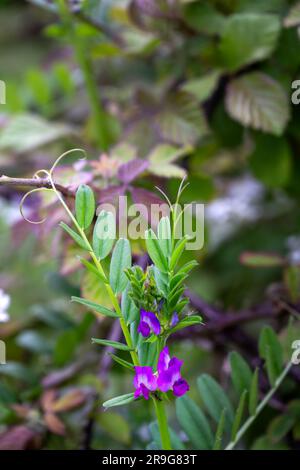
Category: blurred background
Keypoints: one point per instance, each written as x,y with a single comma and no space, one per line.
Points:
201,89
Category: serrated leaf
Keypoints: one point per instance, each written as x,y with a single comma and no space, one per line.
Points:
104,234
181,121
84,206
165,153
202,88
113,344
204,17
77,238
258,101
240,373
215,399
238,415
247,38
194,423
155,252
120,260
119,401
26,132
96,307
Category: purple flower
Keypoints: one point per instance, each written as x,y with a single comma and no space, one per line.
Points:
149,322
144,381
174,319
169,376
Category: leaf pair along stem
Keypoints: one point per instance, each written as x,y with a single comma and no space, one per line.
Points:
260,407
158,404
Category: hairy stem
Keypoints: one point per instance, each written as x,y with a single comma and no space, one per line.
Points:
260,407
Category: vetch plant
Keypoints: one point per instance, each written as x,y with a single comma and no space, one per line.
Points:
150,305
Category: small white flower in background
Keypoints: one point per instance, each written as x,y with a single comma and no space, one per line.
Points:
4,305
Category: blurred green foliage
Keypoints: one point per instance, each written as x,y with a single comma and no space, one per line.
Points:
198,88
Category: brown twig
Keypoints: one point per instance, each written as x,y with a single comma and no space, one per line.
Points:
34,183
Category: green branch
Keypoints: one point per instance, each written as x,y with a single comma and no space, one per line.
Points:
260,407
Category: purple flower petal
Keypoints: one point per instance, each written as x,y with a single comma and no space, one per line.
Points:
165,381
167,378
175,364
144,329
145,392
174,320
163,360
144,381
180,387
150,319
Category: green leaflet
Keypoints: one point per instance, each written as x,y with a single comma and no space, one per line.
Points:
179,247
155,251
253,398
120,260
164,236
270,349
90,267
215,399
194,423
84,206
122,362
188,321
94,306
220,431
240,372
104,234
130,311
77,238
114,344
238,415
119,401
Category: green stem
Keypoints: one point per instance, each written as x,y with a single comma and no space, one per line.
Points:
162,423
158,404
260,407
100,269
101,131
